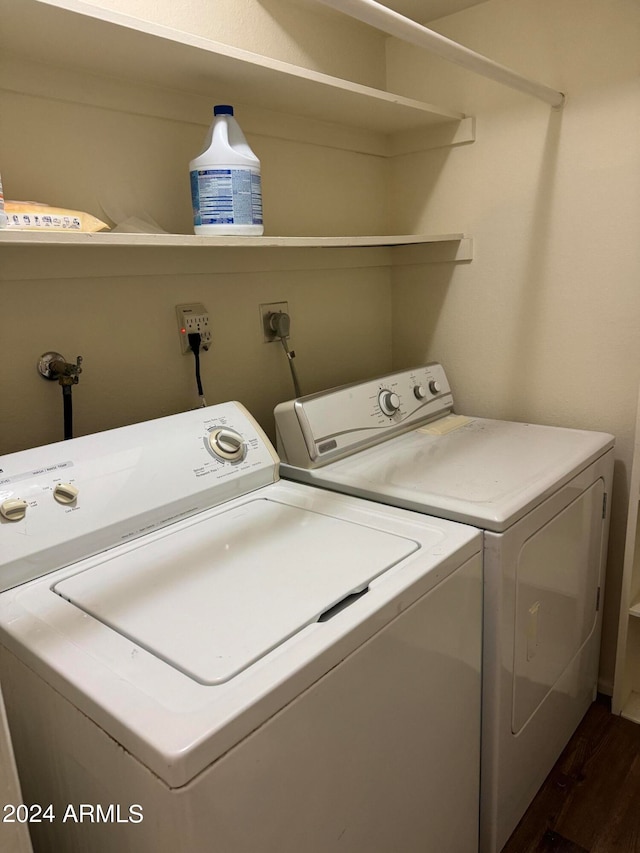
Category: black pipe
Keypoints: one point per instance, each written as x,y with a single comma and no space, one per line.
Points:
68,411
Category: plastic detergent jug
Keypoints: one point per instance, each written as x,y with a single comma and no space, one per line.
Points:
226,186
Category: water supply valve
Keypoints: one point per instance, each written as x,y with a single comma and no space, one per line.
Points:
52,365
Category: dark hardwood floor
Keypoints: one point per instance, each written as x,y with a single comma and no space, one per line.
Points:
590,802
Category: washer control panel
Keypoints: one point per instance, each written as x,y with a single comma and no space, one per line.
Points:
65,501
320,428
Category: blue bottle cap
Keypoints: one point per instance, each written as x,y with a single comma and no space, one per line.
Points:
223,110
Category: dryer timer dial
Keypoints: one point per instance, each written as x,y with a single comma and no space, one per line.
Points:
388,401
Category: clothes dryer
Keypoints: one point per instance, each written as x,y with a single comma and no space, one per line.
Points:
198,657
539,494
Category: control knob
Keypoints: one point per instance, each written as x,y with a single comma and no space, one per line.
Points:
13,509
389,402
434,386
227,444
65,493
419,392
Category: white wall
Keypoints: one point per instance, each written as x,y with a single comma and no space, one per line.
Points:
117,310
543,325
299,31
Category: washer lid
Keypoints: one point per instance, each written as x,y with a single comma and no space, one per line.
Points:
213,597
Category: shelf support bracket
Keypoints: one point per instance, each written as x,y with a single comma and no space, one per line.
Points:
385,19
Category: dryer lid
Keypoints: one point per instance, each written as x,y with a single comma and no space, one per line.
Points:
478,471
215,596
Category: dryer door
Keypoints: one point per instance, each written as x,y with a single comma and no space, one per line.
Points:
557,583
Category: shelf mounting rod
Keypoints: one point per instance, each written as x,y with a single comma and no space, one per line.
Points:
383,18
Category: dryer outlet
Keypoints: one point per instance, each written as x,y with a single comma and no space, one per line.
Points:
266,310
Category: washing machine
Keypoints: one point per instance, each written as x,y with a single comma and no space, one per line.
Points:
538,494
197,656
14,834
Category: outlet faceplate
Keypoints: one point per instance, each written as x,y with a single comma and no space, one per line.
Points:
193,317
266,309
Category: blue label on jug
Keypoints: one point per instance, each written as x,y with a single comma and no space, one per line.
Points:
195,198
226,197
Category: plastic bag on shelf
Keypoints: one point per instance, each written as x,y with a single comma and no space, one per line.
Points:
36,216
138,225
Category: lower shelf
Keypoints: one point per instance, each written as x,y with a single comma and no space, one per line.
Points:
65,238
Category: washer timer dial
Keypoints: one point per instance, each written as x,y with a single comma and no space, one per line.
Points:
227,444
388,401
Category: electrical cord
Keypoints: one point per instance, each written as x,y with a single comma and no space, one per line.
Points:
194,343
280,323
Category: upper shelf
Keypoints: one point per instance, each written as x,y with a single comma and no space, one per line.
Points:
74,34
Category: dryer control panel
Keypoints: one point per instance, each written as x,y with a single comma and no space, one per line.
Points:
65,501
320,428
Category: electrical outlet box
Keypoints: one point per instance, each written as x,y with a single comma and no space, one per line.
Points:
193,318
266,309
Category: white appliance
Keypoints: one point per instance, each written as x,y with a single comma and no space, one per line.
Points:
14,832
198,657
540,496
